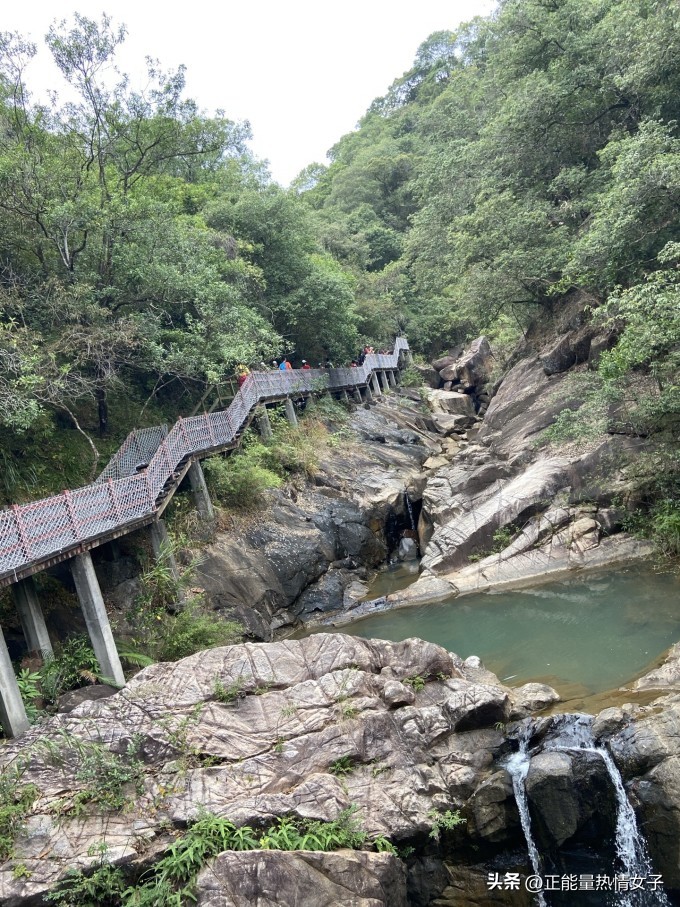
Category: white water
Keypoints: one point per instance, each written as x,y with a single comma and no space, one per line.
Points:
631,848
517,767
410,510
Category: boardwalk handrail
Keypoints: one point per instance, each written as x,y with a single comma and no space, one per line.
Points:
128,490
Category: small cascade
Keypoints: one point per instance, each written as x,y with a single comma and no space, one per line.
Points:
409,508
517,766
574,732
631,847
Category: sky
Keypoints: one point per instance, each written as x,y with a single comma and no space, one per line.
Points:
301,71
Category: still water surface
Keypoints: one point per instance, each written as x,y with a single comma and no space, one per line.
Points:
589,634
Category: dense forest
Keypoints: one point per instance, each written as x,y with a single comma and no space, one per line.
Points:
527,159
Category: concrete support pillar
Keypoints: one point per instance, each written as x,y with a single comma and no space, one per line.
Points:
408,355
12,711
30,613
345,396
199,492
264,425
356,393
383,380
391,380
290,412
162,549
368,394
96,618
375,384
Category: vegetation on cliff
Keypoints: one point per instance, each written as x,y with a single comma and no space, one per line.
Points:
526,160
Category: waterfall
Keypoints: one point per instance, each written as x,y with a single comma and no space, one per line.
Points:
517,766
574,732
410,510
631,847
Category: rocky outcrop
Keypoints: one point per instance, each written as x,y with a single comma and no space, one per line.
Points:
307,879
253,732
300,558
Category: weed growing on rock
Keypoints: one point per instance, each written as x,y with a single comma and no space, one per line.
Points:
342,766
16,800
109,778
229,694
417,683
171,882
446,820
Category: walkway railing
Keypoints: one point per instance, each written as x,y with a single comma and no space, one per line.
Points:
128,489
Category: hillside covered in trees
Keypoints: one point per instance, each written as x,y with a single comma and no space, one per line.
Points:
530,159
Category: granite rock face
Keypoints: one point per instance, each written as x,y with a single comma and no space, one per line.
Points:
296,560
253,732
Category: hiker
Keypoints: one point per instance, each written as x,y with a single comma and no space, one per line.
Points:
242,372
305,364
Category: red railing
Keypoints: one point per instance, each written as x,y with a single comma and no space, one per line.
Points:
129,488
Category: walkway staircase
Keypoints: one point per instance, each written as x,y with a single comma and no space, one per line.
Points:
146,471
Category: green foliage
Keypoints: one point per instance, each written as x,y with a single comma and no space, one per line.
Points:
665,526
110,779
231,693
411,377
417,683
170,882
342,766
73,665
29,686
193,629
104,887
16,800
239,481
444,821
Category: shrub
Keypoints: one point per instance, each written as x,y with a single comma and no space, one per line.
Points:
73,665
191,630
665,526
239,481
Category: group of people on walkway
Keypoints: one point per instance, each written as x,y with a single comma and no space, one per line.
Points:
242,371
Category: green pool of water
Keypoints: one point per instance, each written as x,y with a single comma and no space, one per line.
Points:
592,634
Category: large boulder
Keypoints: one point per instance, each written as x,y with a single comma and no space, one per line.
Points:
253,732
474,366
450,402
269,878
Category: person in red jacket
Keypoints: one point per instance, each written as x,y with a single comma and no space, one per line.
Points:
305,364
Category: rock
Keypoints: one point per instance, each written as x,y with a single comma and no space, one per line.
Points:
450,375
396,694
609,722
526,403
269,878
492,811
468,885
451,402
429,375
69,701
532,697
599,344
408,550
564,791
446,424
473,530
269,751
444,362
665,677
475,364
567,350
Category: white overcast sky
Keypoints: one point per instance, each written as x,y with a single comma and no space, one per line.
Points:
302,71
